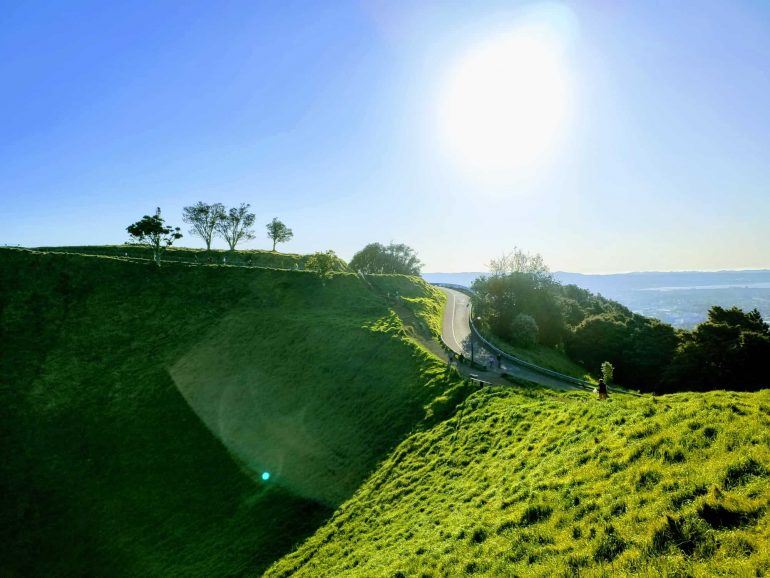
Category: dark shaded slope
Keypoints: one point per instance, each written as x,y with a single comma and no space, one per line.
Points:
107,471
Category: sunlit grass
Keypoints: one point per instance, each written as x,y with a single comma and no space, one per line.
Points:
546,484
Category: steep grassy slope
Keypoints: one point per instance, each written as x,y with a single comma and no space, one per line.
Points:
537,483
106,470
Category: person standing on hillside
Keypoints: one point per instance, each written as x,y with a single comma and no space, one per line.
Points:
602,389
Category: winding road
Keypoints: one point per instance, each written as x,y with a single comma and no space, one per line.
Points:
456,334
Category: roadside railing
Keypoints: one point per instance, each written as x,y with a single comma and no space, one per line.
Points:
516,360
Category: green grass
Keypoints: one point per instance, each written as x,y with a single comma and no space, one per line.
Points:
248,257
107,471
545,357
424,301
537,483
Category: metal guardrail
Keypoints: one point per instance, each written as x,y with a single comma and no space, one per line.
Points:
518,361
512,358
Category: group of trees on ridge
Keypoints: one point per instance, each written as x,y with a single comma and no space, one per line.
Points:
520,302
235,225
207,221
392,258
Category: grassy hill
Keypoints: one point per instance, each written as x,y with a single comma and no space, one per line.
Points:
245,257
106,470
536,483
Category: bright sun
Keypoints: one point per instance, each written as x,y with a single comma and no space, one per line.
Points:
503,105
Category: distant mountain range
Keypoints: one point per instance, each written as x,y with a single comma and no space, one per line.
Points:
681,298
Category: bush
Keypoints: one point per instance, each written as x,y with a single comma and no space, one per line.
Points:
524,330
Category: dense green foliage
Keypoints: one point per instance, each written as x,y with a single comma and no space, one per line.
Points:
325,263
639,348
393,258
524,330
106,470
535,483
153,233
729,350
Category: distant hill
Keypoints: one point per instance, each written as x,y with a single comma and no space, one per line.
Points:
524,482
140,408
680,298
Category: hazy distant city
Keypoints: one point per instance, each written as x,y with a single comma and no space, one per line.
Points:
679,298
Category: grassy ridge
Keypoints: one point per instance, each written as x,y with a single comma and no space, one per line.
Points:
107,471
249,257
537,483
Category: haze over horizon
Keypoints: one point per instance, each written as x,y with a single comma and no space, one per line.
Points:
607,137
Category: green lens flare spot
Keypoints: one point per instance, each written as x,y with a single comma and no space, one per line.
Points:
265,476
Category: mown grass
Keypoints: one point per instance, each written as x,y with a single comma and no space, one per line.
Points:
537,483
107,471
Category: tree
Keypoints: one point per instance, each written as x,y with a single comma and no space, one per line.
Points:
324,263
278,232
607,372
393,258
500,298
524,330
204,219
728,350
236,225
597,339
517,261
152,232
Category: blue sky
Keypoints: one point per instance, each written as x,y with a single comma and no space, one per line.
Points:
324,114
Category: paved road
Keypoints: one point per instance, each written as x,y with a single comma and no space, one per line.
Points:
456,333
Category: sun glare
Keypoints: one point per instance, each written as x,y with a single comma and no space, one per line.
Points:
505,102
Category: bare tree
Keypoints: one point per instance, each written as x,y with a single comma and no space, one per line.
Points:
204,219
236,225
517,261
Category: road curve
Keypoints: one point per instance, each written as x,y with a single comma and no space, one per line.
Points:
456,334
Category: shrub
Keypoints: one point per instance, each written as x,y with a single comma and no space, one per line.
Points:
524,330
